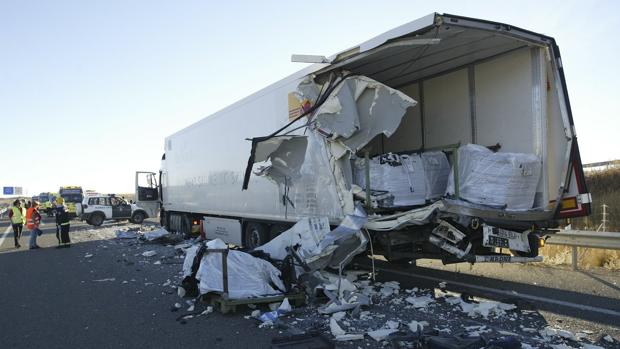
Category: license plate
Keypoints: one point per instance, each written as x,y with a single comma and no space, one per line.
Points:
498,241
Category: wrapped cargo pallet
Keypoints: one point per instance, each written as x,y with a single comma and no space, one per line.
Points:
437,171
504,180
402,176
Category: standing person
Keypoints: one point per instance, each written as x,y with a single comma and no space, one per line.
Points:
33,218
17,214
62,224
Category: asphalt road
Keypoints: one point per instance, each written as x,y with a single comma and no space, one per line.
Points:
50,298
102,293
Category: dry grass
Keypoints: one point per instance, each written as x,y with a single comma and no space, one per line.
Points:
605,189
588,257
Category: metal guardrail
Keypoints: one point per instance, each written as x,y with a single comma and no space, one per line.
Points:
584,238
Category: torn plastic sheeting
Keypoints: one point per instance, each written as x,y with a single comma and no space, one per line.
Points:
126,234
155,234
247,276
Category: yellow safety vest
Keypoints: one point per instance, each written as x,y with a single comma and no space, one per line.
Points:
18,216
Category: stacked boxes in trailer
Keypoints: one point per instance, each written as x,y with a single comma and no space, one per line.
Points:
455,133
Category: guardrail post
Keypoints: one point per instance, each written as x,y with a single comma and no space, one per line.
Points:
575,259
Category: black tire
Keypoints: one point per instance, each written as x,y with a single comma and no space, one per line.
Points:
186,227
137,217
255,235
97,219
163,220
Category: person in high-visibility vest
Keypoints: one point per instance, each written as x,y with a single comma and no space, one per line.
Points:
62,224
17,214
33,220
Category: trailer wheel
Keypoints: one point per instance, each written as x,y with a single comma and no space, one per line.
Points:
186,226
255,235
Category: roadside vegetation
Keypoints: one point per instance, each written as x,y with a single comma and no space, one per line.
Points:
605,189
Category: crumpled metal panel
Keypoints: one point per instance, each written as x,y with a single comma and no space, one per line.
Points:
286,154
359,110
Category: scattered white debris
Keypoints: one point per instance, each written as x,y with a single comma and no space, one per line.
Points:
104,280
181,291
177,305
349,337
392,324
590,346
420,302
157,263
608,338
191,308
150,253
256,313
561,346
207,311
414,326
168,282
88,255
285,306
442,284
379,335
567,334
339,315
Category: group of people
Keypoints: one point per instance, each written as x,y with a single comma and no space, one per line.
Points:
28,215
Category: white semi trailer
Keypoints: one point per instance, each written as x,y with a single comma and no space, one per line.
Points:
437,86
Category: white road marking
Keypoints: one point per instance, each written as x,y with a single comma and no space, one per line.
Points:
8,229
511,293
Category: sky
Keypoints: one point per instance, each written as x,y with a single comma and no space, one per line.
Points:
90,89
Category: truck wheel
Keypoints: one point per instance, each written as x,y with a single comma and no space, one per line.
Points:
97,219
255,235
137,218
186,226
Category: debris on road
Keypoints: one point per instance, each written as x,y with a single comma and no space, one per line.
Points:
150,253
104,280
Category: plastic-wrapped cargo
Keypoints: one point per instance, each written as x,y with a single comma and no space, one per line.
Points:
505,180
437,171
400,175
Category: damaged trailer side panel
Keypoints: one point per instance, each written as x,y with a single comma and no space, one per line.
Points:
410,111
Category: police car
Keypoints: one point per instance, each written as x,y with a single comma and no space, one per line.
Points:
96,209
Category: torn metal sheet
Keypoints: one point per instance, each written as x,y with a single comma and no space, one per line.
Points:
359,109
380,110
312,241
419,216
286,155
338,116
